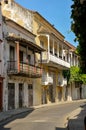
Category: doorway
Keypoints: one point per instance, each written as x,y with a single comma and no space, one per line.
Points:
30,95
51,97
11,96
20,95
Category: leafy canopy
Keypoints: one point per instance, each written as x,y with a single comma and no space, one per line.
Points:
74,74
78,26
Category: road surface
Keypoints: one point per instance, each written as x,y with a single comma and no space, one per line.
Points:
46,118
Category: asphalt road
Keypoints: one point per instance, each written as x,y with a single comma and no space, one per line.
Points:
47,118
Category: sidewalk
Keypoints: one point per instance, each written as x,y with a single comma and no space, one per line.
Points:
11,113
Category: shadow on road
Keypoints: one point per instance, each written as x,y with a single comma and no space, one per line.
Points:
58,128
77,122
14,117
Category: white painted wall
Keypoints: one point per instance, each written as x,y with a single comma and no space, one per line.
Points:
83,91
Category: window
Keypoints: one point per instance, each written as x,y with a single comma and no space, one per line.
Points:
12,53
21,56
29,59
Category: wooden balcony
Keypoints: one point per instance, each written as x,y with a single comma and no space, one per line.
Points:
24,69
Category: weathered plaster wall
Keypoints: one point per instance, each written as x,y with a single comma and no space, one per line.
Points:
18,14
1,42
37,95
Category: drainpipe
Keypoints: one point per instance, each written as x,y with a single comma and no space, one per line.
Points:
17,50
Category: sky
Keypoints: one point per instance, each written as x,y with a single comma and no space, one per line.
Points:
57,12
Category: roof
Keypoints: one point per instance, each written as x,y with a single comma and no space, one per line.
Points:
72,48
35,12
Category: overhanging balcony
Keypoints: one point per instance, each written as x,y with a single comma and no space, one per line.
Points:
62,82
24,69
53,60
46,80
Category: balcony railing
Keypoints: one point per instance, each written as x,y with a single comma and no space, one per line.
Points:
48,57
24,69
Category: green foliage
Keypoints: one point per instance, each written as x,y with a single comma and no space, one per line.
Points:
78,26
83,78
66,74
74,74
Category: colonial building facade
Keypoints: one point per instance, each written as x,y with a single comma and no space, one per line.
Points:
22,73
33,56
59,56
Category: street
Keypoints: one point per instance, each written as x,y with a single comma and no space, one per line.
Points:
46,118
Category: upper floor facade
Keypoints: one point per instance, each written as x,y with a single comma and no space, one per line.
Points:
18,14
20,51
58,51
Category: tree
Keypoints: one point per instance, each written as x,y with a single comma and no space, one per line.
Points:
74,75
78,26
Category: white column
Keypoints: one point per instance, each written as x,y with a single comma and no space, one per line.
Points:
48,37
53,47
48,43
65,54
17,52
68,56
71,62
74,60
58,49
16,95
62,51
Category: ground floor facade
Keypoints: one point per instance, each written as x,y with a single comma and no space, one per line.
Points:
21,92
52,94
76,92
